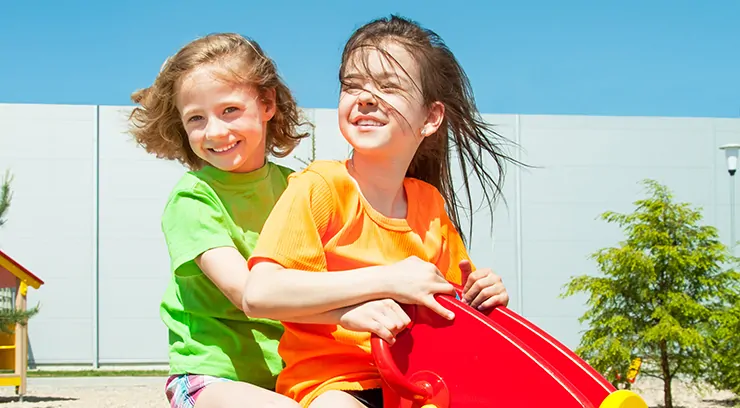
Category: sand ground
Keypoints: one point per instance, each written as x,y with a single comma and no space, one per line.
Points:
148,392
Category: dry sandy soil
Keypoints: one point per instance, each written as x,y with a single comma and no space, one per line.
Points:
684,395
147,392
89,392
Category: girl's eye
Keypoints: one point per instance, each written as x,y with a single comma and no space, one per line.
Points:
349,85
389,87
230,109
194,118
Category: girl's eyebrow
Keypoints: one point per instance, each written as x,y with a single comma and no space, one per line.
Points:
189,112
354,75
383,76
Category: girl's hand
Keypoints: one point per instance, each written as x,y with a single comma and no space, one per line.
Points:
483,289
414,281
385,318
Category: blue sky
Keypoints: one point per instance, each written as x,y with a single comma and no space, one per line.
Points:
644,58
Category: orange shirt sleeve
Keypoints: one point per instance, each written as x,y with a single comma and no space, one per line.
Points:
292,234
453,248
453,252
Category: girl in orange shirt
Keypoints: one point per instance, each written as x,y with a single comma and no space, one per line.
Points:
386,221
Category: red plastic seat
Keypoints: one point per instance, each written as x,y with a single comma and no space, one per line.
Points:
482,361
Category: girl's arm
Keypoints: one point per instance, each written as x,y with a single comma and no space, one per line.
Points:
279,293
227,269
298,293
276,292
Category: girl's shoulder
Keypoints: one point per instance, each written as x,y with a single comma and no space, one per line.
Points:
191,181
331,168
324,184
191,189
284,171
325,174
425,193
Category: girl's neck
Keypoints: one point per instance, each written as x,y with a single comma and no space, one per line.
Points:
381,183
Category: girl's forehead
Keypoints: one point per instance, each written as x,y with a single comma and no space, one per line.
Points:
388,59
208,84
208,74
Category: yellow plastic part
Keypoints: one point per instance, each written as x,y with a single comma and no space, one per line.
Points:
7,353
10,380
429,406
634,369
623,399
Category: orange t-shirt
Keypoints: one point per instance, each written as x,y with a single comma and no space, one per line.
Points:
323,223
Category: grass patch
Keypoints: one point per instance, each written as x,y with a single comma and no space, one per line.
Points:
97,373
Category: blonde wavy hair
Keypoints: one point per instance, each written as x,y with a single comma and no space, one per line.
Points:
156,123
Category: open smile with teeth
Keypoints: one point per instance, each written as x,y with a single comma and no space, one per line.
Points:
224,148
368,122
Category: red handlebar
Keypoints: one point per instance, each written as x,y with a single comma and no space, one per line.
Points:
392,375
423,386
389,370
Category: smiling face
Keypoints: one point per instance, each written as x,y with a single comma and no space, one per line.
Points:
226,122
381,107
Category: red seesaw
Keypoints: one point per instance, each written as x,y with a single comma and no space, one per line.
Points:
478,360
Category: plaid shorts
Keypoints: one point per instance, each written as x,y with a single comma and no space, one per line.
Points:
183,389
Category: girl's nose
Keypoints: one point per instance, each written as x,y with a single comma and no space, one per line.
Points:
366,98
216,129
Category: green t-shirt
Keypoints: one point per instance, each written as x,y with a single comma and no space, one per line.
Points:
207,334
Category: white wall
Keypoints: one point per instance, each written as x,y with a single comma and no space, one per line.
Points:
50,151
87,201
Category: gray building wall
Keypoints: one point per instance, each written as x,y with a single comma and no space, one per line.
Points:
87,201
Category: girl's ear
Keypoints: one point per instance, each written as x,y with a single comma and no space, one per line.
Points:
434,119
268,104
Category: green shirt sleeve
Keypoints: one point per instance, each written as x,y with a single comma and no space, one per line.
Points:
193,222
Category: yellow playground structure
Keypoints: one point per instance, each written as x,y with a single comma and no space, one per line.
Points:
14,283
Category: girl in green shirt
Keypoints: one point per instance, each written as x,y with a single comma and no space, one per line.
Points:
219,107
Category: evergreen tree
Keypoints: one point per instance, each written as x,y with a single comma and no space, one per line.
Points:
5,196
726,353
660,295
10,317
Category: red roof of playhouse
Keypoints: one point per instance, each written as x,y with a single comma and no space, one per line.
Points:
8,263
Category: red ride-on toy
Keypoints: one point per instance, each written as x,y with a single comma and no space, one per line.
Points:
485,361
